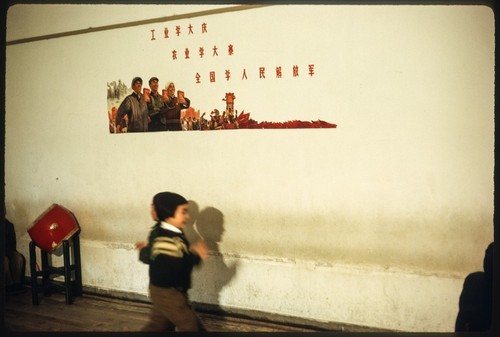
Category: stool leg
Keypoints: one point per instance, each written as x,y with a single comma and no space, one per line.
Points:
78,265
45,273
34,285
67,272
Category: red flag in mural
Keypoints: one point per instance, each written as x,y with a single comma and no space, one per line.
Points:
243,120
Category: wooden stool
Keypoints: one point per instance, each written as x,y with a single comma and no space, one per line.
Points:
55,227
72,286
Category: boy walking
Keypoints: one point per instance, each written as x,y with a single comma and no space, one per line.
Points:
171,259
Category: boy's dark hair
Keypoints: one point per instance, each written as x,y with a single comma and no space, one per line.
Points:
165,204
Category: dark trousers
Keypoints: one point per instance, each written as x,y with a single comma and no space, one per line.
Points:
171,311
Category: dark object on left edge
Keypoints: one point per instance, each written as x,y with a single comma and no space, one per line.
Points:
14,262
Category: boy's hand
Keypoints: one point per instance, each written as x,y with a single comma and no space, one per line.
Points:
140,244
200,248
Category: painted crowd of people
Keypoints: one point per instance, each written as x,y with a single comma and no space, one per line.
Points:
149,110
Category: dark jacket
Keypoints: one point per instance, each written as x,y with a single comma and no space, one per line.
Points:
169,259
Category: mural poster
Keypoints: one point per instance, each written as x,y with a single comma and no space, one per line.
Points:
220,63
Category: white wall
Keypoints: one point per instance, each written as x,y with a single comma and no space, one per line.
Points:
372,223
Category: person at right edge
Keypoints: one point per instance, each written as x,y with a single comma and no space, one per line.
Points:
476,298
171,260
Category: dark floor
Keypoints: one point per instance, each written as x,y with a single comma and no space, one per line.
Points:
92,313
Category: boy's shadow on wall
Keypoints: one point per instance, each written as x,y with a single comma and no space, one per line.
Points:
208,224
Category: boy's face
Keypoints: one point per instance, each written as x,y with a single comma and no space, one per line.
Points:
181,216
153,213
